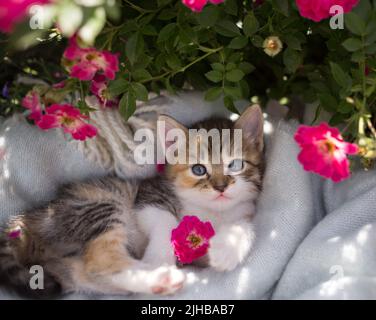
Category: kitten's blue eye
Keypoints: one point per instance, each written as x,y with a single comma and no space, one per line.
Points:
199,170
236,165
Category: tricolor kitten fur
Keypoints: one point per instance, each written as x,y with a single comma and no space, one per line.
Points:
112,236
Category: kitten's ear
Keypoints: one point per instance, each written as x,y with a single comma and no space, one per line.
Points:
165,125
252,123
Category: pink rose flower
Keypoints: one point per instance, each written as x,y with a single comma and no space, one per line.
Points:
87,62
69,119
99,89
191,239
14,11
324,151
32,102
198,5
318,10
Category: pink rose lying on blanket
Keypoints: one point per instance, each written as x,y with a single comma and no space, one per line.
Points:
66,116
69,119
324,151
191,239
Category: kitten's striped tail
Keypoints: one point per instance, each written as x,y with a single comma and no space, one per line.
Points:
15,276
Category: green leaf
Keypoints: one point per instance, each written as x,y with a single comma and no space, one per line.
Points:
342,78
117,87
363,9
166,32
213,94
357,56
227,28
371,36
238,42
320,86
292,42
208,16
292,59
235,57
345,107
282,6
146,19
127,104
257,41
167,14
352,44
229,104
231,7
143,62
328,102
371,49
233,92
230,66
370,90
371,30
244,87
129,27
134,47
140,91
149,30
234,75
355,24
337,119
218,66
214,76
140,74
246,67
250,24
173,62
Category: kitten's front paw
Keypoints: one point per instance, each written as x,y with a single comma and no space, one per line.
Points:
222,257
227,251
167,280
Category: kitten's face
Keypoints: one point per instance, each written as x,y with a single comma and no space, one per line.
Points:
223,184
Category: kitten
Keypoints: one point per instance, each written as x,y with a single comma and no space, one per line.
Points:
112,236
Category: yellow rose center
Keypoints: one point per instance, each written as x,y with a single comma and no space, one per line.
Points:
328,146
272,44
195,240
91,56
68,121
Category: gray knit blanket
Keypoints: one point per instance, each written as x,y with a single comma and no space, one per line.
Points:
314,239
